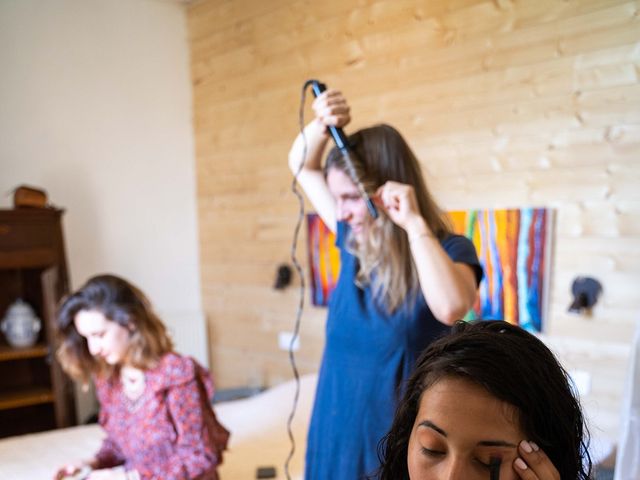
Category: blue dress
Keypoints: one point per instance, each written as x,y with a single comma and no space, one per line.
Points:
368,355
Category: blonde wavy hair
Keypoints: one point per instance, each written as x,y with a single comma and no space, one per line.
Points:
381,154
122,303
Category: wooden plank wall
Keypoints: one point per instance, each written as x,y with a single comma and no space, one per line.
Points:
507,104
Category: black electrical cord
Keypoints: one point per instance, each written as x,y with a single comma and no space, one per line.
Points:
294,243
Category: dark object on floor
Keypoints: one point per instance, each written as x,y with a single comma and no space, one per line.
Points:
92,418
283,277
586,291
266,472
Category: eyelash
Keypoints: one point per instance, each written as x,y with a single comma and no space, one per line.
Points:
431,453
435,453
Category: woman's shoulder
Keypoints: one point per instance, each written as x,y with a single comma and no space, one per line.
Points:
461,249
342,230
172,370
456,239
456,244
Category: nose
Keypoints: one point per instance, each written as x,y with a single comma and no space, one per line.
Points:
94,347
456,470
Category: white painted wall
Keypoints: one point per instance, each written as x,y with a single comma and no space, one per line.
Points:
95,107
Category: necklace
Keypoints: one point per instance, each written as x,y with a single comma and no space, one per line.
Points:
133,383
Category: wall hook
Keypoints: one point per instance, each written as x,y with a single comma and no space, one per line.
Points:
283,277
586,291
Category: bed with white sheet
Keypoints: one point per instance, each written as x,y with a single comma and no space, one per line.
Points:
258,428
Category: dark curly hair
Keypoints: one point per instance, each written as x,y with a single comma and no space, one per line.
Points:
515,367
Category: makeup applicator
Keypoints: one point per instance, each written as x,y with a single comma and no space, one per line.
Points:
494,468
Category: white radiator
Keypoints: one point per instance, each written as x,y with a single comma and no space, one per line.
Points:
188,329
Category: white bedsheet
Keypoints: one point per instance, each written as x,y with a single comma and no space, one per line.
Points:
258,438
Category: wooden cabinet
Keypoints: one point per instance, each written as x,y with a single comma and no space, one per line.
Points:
35,394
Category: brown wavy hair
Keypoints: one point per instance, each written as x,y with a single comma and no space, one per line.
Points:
120,302
382,154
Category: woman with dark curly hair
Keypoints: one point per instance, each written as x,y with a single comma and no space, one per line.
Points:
154,403
488,401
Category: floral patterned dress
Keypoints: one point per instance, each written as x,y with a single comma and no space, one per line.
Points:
170,432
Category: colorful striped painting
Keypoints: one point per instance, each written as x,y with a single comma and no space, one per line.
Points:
324,260
514,248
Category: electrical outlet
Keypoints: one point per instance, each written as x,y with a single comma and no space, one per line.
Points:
284,341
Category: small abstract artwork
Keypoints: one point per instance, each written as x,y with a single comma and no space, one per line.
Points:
514,247
324,260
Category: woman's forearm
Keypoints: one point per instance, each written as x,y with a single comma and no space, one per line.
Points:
316,141
311,177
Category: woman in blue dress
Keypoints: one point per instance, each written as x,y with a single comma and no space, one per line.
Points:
404,279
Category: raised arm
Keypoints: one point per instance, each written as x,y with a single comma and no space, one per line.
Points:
449,287
330,108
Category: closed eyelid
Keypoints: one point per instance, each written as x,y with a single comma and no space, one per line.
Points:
501,455
485,451
431,452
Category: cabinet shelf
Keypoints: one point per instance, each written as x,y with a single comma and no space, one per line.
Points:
35,394
34,258
25,398
12,353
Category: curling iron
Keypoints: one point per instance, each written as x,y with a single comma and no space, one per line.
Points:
342,143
